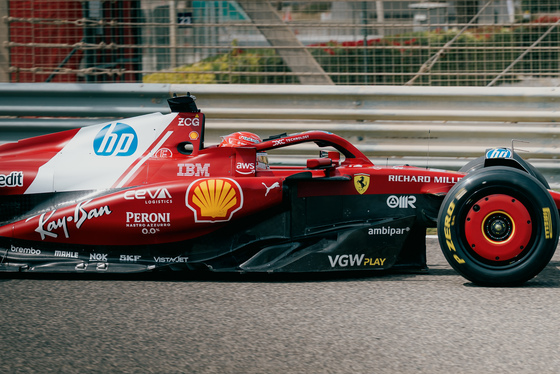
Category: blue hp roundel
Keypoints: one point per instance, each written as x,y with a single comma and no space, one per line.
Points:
115,139
498,153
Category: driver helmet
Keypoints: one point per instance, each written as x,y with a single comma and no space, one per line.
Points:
244,138
240,139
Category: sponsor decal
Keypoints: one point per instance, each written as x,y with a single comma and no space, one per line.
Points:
189,121
548,231
355,260
296,138
129,258
401,201
245,168
214,200
447,180
134,219
116,139
14,179
25,251
374,261
361,182
460,193
193,170
66,254
173,260
450,221
98,257
48,226
152,230
193,135
274,185
289,139
388,230
101,266
249,139
423,179
409,178
498,153
346,260
150,195
163,153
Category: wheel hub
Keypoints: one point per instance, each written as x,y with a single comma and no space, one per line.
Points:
498,227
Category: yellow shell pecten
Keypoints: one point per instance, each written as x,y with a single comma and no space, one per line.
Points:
214,198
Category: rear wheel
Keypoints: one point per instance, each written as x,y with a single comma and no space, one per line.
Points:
478,163
498,226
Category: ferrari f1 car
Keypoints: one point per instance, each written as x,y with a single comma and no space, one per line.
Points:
146,194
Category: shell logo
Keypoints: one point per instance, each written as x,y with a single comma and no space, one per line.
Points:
193,135
214,200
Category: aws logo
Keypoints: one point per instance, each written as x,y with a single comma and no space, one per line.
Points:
214,200
245,168
115,139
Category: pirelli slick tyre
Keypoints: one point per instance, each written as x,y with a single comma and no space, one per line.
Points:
498,226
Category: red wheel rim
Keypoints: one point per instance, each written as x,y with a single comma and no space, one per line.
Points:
498,227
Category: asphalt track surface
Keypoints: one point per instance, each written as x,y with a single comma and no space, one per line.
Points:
395,323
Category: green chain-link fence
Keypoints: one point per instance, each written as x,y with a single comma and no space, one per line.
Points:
438,43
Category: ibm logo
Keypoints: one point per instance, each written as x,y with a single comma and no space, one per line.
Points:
116,139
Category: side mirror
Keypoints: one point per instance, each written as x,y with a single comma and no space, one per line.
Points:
333,155
316,163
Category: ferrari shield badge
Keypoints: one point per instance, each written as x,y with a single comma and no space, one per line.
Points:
361,182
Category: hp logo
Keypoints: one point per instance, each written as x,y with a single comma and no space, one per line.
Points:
116,139
498,153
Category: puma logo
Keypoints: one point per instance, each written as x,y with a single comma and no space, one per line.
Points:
275,185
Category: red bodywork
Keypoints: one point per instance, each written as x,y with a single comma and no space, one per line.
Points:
159,191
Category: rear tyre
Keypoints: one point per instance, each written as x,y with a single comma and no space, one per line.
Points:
478,163
498,226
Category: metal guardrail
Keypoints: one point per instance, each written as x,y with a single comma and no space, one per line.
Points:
507,104
390,124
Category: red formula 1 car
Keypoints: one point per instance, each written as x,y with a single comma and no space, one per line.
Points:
145,194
